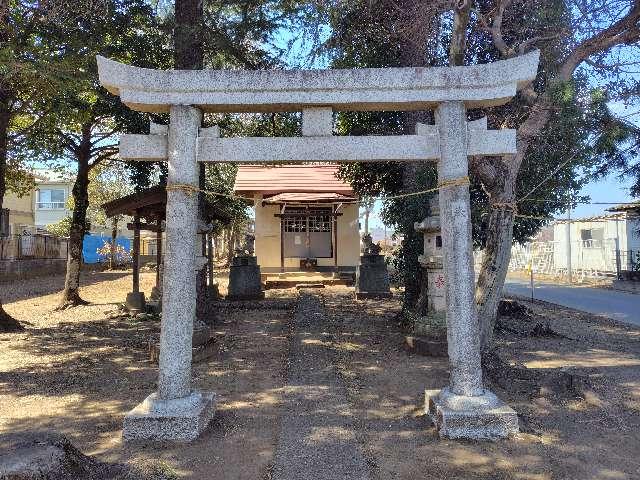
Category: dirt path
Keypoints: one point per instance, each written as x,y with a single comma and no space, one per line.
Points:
317,440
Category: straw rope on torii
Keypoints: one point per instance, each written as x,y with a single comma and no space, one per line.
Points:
464,408
190,189
462,181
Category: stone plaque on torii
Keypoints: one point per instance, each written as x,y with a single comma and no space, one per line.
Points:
464,409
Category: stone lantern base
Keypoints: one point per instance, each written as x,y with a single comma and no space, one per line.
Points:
484,417
181,419
135,302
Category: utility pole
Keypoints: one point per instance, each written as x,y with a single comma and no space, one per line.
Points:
569,272
618,260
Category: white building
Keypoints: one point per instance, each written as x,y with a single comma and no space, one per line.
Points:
52,193
593,241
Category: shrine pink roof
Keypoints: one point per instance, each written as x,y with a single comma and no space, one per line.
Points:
269,180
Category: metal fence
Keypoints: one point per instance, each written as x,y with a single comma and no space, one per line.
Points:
16,247
589,258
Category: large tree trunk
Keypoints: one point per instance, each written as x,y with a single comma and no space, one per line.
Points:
71,292
499,182
498,176
412,277
188,51
7,322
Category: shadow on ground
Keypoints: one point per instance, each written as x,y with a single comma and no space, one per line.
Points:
79,377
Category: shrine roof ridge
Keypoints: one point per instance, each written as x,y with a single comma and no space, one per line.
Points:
407,88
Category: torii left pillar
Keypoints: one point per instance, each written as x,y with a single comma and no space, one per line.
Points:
176,411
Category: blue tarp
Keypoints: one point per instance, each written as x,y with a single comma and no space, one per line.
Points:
92,243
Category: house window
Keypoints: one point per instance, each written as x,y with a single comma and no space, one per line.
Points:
438,241
592,237
5,228
51,198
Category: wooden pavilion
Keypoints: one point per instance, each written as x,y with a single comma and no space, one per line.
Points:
148,210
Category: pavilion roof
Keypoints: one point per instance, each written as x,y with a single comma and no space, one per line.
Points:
151,204
271,180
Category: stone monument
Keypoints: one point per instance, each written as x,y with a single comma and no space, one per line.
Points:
464,408
372,277
244,273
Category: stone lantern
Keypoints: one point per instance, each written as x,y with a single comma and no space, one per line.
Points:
432,262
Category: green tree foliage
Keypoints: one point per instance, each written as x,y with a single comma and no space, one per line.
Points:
61,228
82,118
30,70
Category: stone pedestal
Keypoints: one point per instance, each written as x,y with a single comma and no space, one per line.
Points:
135,302
372,277
179,419
481,417
244,279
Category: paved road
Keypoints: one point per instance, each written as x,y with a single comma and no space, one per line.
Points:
621,306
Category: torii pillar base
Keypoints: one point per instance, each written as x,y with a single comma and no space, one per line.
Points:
484,417
179,420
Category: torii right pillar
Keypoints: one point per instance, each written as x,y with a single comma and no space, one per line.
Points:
464,409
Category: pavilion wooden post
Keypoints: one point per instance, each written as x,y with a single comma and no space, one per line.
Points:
135,299
136,253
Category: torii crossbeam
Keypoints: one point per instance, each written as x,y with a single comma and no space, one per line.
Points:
464,408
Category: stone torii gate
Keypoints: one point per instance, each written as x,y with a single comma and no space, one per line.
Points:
463,409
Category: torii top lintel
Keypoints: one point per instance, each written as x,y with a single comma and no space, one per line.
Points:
370,89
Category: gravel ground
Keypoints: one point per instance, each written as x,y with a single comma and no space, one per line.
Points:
78,372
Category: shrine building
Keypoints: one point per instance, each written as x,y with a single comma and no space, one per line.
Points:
306,218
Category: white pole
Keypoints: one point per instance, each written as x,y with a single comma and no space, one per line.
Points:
569,272
618,260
